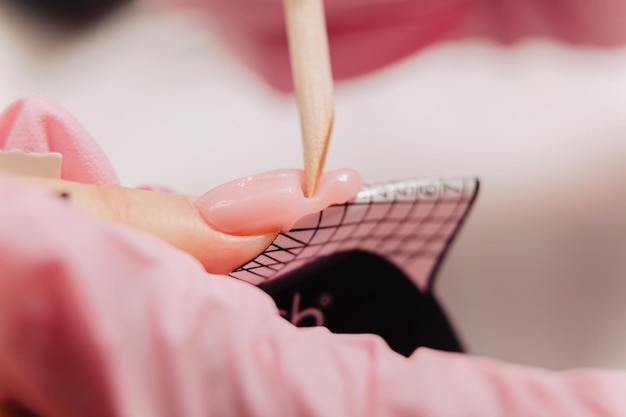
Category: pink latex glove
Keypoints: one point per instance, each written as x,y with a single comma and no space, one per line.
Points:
100,320
35,124
368,34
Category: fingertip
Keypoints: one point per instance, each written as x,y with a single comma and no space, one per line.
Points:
232,252
273,200
175,219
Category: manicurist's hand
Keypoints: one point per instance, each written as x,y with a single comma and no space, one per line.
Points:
368,34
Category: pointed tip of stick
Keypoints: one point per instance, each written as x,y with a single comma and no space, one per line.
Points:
312,173
311,184
315,159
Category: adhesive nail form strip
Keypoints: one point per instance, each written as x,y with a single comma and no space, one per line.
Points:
411,223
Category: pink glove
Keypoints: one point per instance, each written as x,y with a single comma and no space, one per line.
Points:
35,124
368,34
99,320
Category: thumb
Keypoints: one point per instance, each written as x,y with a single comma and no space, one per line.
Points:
172,217
226,227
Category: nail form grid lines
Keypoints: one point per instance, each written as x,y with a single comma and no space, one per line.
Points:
411,223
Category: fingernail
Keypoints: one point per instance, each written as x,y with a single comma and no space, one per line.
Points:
273,200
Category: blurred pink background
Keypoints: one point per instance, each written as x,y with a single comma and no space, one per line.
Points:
538,274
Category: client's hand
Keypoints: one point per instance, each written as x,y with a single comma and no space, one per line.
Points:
35,124
176,219
223,229
365,35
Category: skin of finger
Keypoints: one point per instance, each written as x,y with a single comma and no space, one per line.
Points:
172,217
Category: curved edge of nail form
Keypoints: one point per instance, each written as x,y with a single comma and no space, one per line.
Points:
274,200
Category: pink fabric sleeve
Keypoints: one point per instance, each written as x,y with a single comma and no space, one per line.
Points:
98,320
366,35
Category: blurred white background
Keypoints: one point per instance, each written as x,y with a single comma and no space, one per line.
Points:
538,274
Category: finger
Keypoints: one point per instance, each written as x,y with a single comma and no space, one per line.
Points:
172,217
226,227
